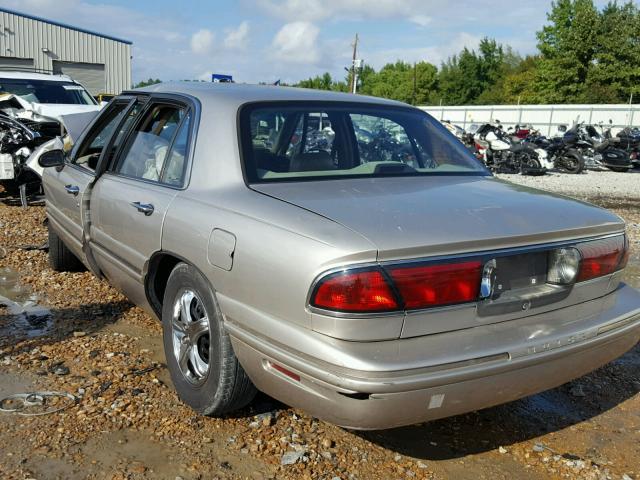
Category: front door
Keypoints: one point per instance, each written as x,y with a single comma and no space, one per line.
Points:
131,198
68,188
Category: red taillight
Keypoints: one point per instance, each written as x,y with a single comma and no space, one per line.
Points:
436,285
358,291
602,257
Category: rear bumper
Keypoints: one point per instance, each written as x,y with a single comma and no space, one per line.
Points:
362,385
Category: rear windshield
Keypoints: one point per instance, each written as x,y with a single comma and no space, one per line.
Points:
46,91
292,141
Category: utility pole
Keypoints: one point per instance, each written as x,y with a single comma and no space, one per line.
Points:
353,78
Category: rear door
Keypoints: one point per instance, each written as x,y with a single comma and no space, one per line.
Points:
67,189
131,198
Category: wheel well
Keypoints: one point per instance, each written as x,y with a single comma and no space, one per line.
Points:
160,267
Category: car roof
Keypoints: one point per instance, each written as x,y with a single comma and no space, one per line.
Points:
235,94
35,76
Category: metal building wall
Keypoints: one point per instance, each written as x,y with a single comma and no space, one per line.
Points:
25,37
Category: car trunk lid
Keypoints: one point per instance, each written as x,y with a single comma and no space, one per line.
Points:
409,217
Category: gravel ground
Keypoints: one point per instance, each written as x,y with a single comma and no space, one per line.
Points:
129,424
605,185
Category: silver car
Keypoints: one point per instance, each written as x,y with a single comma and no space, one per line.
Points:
344,254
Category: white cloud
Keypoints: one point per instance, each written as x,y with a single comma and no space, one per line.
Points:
420,20
122,22
318,10
162,43
296,42
435,54
202,41
237,38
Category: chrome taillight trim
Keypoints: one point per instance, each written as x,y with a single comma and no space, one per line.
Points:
483,256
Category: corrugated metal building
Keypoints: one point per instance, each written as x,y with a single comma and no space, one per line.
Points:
100,62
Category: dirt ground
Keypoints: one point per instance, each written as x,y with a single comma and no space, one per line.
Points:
129,424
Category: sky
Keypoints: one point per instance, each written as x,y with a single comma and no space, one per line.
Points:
266,40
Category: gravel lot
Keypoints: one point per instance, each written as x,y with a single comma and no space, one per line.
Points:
129,423
605,186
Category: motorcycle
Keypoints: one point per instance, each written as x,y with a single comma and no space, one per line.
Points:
629,140
562,150
502,155
523,131
599,151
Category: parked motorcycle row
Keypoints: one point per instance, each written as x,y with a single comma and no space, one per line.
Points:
526,151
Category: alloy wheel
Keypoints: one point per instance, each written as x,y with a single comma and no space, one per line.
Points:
191,337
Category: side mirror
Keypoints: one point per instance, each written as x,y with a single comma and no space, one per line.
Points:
52,158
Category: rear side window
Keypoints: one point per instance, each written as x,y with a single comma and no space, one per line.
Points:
174,167
293,141
150,145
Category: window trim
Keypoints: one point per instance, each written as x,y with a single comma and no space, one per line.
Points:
73,155
190,105
244,141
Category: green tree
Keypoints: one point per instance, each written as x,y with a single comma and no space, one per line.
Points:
403,81
476,77
146,83
322,82
519,85
614,73
568,46
460,80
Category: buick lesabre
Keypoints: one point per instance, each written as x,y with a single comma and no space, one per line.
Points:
344,254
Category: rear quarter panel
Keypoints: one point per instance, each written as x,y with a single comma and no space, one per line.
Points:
280,249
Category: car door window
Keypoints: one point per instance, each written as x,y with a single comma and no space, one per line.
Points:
92,146
148,146
174,168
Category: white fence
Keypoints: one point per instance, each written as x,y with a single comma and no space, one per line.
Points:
545,118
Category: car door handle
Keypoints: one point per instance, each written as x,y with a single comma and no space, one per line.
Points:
145,208
72,189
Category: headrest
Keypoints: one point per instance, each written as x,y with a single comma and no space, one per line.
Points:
310,162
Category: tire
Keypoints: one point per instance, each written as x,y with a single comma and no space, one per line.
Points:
209,379
572,163
619,169
530,165
61,259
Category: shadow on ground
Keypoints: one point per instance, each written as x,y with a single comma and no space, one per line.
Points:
518,421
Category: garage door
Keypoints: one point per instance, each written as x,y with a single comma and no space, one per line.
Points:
12,63
91,75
